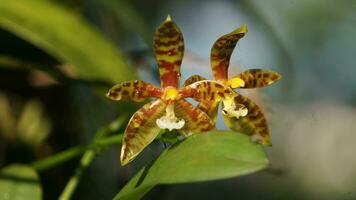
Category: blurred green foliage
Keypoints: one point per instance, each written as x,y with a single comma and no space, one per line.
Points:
67,37
19,182
30,128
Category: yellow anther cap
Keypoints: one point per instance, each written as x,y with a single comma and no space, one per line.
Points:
236,82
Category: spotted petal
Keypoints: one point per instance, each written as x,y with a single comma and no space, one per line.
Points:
134,90
222,50
193,79
209,94
256,78
206,90
253,124
210,107
169,50
196,121
141,130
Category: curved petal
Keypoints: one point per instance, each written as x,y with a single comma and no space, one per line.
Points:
210,108
256,78
193,79
169,50
141,130
222,50
253,124
209,94
196,121
206,90
134,90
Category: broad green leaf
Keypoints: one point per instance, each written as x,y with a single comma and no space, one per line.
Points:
201,157
19,182
65,36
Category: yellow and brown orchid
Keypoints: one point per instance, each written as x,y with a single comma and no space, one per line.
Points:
250,120
170,110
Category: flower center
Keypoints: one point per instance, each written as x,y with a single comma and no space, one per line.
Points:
171,93
169,120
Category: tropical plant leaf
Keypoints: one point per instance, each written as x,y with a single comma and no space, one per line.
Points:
19,182
67,37
201,157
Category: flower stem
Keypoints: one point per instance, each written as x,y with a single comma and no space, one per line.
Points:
89,155
59,158
74,152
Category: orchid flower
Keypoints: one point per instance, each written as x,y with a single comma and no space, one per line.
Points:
248,118
169,110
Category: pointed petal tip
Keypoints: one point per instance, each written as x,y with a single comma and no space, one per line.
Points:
266,142
241,30
124,159
113,96
123,162
276,77
109,95
279,76
244,28
169,18
262,140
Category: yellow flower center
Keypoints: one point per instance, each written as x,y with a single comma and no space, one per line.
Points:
171,93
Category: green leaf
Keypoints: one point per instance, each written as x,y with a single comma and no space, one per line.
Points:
65,36
201,157
19,182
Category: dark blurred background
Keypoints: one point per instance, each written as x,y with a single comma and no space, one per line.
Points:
311,111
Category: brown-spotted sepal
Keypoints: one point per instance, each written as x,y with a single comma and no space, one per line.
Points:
196,121
256,78
210,107
141,130
206,90
253,124
222,51
210,94
169,50
193,79
135,90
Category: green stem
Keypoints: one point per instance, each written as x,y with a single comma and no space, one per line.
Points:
74,152
59,158
74,180
88,157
